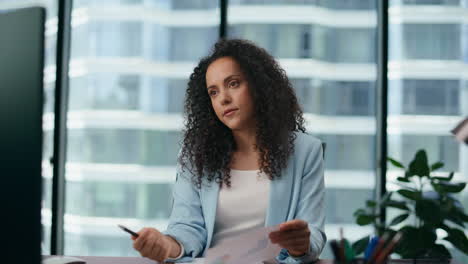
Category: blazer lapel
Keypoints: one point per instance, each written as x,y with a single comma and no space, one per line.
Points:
279,198
209,201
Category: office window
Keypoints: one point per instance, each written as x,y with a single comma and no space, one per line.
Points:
349,152
176,94
123,146
307,94
347,98
193,4
259,33
125,115
353,45
349,5
427,2
439,148
335,98
314,41
427,96
190,44
281,40
81,3
338,212
335,44
464,41
425,41
332,4
116,91
107,39
114,199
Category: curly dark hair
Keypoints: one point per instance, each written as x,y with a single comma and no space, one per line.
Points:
208,144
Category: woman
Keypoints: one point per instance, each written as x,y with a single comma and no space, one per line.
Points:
245,162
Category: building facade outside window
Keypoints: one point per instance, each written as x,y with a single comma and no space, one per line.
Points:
130,61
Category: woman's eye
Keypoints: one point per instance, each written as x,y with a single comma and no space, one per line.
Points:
234,83
211,93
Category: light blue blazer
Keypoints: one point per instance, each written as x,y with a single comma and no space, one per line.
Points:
297,194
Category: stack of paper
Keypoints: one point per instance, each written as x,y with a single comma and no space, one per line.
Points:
252,247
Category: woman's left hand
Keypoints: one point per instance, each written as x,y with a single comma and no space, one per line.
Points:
294,236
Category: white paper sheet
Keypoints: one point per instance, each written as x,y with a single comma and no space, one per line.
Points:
251,247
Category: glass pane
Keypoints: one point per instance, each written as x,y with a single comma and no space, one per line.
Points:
128,74
331,62
49,98
428,92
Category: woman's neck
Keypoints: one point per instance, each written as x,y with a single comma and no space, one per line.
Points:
246,141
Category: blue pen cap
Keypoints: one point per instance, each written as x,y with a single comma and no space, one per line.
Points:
370,247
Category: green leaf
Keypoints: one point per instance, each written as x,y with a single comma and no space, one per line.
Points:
360,245
452,187
419,165
404,185
412,195
415,241
403,179
463,216
456,219
437,166
458,238
439,252
396,163
429,211
365,219
398,219
386,197
359,212
397,204
449,178
456,214
371,203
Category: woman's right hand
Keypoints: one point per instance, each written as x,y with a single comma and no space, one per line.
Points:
154,245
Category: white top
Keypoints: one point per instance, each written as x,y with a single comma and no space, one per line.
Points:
243,206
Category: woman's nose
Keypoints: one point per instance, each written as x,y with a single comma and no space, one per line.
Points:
225,98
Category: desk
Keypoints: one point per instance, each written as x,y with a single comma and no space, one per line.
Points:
140,260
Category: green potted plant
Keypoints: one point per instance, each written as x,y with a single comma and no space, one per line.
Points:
427,202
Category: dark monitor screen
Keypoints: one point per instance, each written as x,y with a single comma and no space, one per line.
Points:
21,107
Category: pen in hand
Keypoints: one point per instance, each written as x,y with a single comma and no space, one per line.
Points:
128,230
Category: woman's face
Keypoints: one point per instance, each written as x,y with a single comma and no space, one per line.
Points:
229,93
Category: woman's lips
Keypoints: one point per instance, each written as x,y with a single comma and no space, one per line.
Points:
230,112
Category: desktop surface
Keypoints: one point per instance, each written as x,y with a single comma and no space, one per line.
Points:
140,260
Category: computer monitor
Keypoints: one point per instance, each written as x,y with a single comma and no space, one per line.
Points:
21,107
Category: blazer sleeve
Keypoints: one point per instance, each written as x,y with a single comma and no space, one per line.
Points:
186,223
311,206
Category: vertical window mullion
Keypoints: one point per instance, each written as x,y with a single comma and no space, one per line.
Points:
60,129
223,6
381,102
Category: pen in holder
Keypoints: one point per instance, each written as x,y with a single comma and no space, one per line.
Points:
377,252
